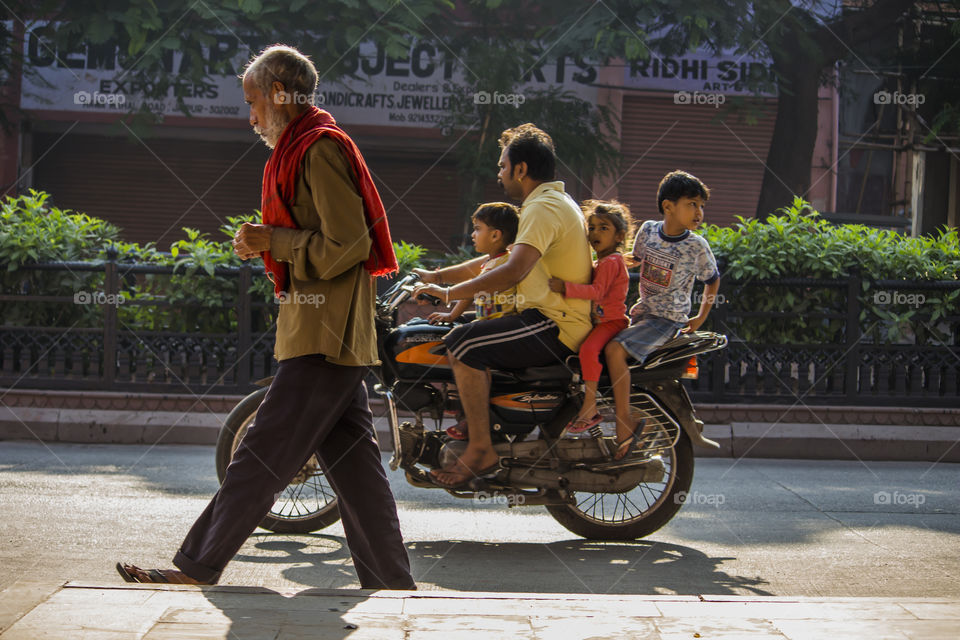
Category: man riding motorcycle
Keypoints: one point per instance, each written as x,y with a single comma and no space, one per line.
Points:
548,328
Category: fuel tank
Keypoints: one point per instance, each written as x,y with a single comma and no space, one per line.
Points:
416,353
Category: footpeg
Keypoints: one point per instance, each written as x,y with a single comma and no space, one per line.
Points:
597,433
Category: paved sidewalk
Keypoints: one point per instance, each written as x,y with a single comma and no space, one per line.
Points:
150,612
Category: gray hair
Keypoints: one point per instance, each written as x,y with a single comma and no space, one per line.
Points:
280,63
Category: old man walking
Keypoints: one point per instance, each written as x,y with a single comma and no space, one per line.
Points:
323,240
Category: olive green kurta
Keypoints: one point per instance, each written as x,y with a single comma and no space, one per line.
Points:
329,305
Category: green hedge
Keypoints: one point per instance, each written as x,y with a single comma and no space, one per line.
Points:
31,232
194,298
798,243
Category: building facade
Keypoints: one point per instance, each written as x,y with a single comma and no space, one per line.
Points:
72,138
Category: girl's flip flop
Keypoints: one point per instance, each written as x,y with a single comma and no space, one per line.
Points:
579,425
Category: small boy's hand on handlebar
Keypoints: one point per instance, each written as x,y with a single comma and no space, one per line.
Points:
630,260
421,291
439,317
557,285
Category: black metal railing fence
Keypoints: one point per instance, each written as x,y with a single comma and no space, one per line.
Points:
850,341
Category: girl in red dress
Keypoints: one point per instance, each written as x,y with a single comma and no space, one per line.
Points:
608,225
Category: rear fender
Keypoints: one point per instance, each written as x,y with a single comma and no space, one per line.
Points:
673,394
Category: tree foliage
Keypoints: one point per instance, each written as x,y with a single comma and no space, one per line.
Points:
496,45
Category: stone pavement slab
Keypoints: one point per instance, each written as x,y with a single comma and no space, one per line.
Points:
21,597
166,612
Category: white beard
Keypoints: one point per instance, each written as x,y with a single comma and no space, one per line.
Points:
270,134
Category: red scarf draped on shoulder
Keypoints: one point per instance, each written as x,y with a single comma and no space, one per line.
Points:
280,179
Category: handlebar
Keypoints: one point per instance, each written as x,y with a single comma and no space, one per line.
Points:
400,292
435,301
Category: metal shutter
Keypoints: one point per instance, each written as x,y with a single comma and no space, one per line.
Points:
151,190
422,198
727,155
124,182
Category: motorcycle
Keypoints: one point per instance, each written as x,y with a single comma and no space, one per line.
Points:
575,478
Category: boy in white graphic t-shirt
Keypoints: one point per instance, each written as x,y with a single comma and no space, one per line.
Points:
670,257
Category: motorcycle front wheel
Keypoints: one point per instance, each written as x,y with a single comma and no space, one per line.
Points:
307,504
635,513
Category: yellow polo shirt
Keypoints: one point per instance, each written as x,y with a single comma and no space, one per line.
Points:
552,223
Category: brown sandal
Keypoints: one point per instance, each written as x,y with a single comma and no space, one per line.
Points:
130,573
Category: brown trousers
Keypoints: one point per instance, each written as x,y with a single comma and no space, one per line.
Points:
311,406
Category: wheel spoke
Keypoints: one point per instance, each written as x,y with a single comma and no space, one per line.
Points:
595,496
305,499
635,506
648,495
295,500
632,506
318,497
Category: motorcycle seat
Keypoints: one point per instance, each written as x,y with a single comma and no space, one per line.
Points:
680,343
676,342
564,372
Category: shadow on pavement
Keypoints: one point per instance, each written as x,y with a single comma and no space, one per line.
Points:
572,566
268,615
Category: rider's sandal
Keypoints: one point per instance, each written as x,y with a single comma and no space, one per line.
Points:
466,482
579,425
126,575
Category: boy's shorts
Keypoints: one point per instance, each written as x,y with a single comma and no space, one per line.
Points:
642,338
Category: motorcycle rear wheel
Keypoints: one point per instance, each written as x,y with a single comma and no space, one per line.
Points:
307,504
618,516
